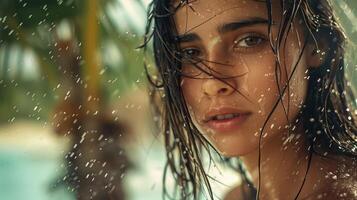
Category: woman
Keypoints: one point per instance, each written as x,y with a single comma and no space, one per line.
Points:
262,81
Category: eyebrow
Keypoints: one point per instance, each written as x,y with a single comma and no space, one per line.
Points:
240,24
187,37
190,37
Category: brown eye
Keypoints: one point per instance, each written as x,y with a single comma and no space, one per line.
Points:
249,41
190,55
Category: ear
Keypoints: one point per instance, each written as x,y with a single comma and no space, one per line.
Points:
316,53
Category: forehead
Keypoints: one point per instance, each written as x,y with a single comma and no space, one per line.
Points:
198,14
217,4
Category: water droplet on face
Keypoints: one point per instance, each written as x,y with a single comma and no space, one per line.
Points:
265,135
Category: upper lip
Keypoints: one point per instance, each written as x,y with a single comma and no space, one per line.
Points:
213,112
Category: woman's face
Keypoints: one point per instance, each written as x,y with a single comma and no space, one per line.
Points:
231,39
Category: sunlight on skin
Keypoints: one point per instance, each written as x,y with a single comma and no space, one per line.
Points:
210,42
259,62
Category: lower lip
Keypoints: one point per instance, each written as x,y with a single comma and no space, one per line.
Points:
227,125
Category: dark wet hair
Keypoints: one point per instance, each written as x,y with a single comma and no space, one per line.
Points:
327,114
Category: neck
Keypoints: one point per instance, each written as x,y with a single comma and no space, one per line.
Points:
283,164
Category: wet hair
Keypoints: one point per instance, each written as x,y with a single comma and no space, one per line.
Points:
327,114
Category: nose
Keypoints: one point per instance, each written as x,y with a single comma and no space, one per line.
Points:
220,67
218,87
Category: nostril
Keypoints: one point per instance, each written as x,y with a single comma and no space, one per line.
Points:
214,87
223,90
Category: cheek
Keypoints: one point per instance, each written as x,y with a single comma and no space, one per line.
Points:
261,81
296,70
261,73
194,97
191,89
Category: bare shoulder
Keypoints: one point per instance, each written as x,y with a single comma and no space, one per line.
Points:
240,192
345,191
345,185
341,182
235,193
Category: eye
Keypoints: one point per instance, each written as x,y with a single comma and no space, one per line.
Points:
190,54
190,57
249,41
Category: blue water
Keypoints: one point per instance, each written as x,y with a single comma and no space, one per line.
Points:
29,176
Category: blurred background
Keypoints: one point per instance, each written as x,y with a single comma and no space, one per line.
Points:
75,121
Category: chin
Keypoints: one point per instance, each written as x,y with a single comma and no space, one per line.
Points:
231,144
233,148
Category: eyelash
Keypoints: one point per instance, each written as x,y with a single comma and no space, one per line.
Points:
185,57
194,53
261,40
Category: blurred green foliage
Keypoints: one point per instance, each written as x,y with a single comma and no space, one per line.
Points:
31,25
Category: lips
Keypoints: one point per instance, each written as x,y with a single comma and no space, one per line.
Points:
225,116
225,119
